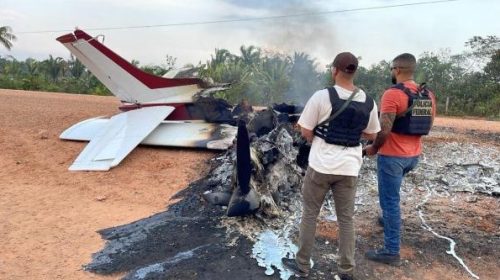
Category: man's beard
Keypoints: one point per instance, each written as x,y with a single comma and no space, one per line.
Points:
393,79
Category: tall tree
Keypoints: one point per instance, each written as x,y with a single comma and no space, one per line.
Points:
439,71
250,55
304,79
492,69
169,63
76,68
271,80
374,80
221,56
484,47
6,37
54,67
481,51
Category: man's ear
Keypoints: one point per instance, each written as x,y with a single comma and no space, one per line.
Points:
335,72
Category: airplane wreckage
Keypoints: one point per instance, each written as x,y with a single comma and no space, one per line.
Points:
258,176
178,112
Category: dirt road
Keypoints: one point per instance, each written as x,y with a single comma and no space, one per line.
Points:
50,215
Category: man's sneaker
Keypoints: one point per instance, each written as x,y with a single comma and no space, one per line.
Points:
292,265
382,256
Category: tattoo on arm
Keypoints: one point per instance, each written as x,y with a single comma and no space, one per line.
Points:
386,122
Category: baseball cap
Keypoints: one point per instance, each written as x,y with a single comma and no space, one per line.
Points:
346,62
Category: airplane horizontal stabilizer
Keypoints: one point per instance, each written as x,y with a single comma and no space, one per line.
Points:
118,137
191,134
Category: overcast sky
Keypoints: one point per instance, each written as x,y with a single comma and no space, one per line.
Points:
330,27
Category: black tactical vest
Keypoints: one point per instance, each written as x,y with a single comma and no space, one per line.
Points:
417,120
346,128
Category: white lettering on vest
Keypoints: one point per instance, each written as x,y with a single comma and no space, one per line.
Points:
422,108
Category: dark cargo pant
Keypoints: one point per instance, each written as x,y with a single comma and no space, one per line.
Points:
315,187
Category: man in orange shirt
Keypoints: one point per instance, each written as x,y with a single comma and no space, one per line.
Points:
407,112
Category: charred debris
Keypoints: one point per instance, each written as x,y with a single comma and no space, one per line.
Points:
250,176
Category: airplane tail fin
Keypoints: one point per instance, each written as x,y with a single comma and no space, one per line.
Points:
124,80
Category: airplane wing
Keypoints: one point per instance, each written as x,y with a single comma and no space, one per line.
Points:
118,137
187,134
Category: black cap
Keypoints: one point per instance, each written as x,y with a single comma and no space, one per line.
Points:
346,62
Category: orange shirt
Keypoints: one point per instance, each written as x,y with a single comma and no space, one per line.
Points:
401,145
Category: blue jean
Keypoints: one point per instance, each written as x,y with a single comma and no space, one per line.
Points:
390,173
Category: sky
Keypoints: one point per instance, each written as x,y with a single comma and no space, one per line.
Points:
191,30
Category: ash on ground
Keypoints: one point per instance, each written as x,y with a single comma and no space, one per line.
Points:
194,239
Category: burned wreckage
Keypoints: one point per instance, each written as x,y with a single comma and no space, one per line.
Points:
249,177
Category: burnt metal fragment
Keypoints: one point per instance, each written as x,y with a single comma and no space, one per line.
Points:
244,200
217,198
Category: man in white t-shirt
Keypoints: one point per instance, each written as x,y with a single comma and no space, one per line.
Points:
334,161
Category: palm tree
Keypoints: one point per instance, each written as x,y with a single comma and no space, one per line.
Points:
304,79
250,55
54,66
76,68
271,79
31,67
6,37
216,64
221,57
12,68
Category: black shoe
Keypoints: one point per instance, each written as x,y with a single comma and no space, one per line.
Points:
344,276
382,256
380,221
292,265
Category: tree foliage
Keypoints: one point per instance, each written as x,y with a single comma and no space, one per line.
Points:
264,79
465,84
6,37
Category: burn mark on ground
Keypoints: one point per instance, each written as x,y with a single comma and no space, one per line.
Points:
185,242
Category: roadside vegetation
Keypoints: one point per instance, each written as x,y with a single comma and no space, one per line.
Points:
465,84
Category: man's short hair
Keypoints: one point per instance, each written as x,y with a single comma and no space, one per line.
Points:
405,61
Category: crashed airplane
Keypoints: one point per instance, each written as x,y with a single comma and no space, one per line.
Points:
178,112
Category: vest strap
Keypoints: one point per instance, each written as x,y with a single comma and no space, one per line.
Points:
422,88
332,90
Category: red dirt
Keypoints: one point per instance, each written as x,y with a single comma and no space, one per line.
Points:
50,215
462,124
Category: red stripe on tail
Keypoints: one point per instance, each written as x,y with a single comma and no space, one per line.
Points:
151,81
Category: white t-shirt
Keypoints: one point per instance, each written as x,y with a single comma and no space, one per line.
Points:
328,158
